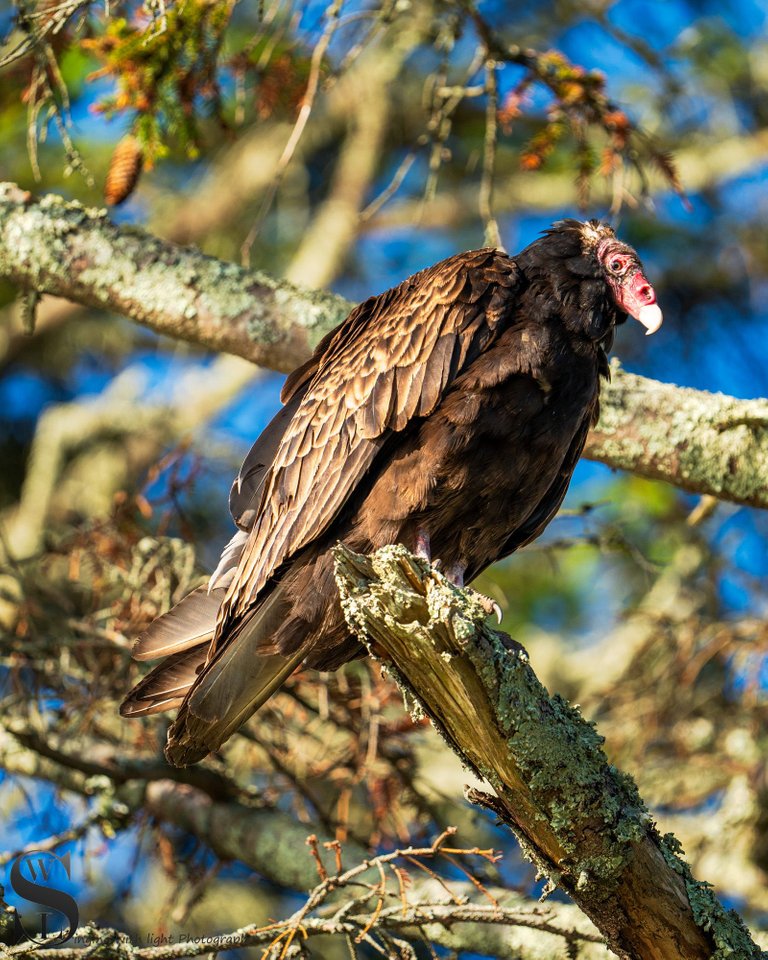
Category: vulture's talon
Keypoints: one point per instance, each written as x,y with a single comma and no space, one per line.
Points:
490,606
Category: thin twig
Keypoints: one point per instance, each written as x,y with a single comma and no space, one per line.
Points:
394,185
305,111
485,197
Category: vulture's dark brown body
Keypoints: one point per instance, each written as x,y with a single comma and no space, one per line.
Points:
452,409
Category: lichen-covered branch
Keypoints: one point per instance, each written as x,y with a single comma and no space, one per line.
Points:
581,821
64,249
706,443
390,911
506,934
703,442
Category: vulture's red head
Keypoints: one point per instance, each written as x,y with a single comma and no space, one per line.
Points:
590,278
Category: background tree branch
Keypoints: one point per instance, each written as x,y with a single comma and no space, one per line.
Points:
273,843
61,248
701,167
702,442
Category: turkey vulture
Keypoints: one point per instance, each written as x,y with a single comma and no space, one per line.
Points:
446,414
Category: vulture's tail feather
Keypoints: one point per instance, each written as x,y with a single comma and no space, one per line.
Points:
239,678
188,624
166,686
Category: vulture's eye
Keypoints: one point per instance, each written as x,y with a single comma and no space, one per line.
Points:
616,265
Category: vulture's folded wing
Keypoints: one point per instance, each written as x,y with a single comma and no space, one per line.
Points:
388,362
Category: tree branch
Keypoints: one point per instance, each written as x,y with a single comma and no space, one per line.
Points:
706,443
273,844
701,166
120,413
332,230
581,821
66,250
702,442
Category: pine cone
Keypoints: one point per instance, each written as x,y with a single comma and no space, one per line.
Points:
124,170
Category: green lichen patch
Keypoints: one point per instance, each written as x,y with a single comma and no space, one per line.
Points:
560,757
316,311
726,928
705,442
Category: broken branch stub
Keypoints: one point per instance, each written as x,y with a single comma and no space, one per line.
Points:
580,820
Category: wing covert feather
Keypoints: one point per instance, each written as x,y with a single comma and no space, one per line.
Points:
389,361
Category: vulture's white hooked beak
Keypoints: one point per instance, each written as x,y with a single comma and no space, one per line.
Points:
638,298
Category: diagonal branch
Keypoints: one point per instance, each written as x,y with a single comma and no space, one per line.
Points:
705,443
581,821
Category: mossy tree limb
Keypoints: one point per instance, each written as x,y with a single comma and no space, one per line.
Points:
581,821
702,442
62,248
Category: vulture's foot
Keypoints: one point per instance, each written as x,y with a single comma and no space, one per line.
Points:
423,549
455,573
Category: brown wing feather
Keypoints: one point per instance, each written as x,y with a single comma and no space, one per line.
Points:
245,495
390,360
